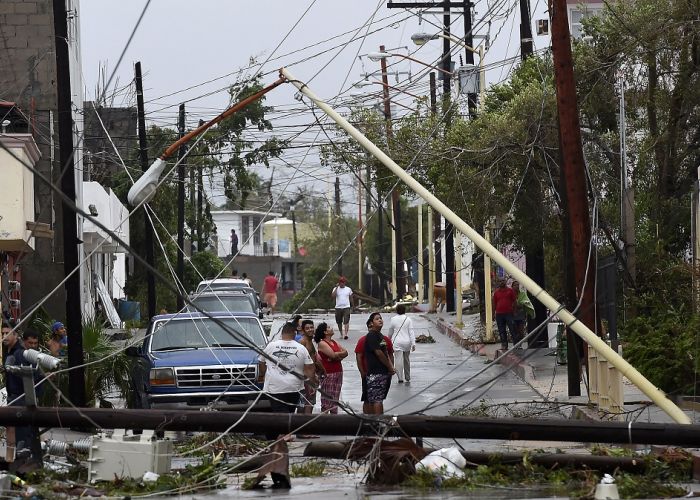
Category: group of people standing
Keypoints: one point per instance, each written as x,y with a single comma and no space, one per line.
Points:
311,350
511,308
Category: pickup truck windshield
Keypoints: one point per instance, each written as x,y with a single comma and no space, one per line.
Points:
240,303
202,332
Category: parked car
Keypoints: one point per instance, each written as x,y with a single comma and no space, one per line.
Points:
221,284
240,300
190,361
229,284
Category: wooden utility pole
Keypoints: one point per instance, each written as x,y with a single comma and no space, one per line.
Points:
181,209
148,227
339,267
398,286
573,167
436,231
71,260
446,94
200,205
533,204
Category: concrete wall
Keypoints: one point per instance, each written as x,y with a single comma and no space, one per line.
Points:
28,77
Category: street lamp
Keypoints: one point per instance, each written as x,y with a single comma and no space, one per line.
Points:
422,38
145,187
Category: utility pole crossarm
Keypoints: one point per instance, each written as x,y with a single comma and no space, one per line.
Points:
626,369
426,5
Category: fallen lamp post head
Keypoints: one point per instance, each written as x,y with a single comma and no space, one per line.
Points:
145,188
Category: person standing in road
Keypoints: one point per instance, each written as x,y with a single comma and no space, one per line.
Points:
245,278
270,286
331,354
522,309
343,304
404,339
503,304
281,368
380,368
296,321
362,365
308,397
281,378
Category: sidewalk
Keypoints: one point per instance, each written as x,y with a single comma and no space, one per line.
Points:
539,369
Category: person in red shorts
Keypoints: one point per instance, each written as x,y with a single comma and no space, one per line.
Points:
362,363
270,286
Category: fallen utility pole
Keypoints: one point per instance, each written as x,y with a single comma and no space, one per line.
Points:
581,329
349,425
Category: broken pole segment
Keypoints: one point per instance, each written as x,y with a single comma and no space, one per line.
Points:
354,425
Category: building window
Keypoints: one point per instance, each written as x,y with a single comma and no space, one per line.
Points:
245,229
257,227
578,14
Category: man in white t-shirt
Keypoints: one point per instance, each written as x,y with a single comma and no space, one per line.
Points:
282,376
283,382
343,304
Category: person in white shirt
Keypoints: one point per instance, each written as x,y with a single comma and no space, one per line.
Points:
282,376
404,340
283,382
343,304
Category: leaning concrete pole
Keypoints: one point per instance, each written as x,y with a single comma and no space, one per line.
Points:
627,370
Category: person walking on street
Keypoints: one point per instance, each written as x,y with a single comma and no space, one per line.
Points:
308,397
331,354
404,340
380,368
270,286
343,304
503,304
362,365
522,309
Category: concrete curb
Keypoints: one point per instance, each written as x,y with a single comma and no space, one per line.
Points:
512,361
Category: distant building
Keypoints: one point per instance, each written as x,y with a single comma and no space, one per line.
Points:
28,79
99,157
18,229
578,10
265,243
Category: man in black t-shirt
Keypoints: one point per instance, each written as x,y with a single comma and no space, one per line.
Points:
379,365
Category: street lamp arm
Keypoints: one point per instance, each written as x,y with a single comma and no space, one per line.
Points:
145,187
395,88
228,112
437,68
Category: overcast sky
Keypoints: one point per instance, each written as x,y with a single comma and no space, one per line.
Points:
195,50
